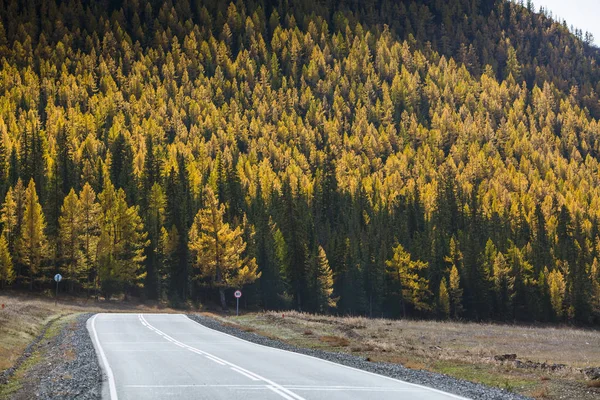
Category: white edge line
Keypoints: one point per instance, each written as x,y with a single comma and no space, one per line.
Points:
107,369
331,362
245,374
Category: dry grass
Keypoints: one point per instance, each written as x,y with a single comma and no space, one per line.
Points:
463,350
561,345
541,393
335,341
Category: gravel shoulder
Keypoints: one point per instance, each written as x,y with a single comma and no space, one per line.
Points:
62,364
397,371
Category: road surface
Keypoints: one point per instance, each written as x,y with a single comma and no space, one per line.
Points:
164,356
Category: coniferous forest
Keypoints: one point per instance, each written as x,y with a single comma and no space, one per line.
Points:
427,159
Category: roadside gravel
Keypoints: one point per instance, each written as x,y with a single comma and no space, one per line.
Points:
69,368
75,372
437,381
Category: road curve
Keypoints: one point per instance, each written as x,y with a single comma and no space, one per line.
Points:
163,356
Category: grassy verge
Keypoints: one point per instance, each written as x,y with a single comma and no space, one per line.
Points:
462,350
20,323
20,376
16,382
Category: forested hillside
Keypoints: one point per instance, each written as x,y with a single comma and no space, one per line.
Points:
419,158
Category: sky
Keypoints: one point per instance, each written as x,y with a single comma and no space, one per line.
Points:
582,14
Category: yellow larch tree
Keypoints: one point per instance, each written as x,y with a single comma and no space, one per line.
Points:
6,265
444,299
456,292
414,289
122,242
219,249
90,234
32,244
70,226
556,287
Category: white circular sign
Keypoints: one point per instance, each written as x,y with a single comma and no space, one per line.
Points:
238,294
58,277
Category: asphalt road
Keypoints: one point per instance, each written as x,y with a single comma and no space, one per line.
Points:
164,356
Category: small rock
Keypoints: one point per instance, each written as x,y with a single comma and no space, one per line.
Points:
592,374
505,357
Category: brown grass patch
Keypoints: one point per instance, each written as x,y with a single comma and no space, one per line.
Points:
69,355
541,393
335,341
361,348
593,384
238,326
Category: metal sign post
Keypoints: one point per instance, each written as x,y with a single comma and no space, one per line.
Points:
57,278
237,294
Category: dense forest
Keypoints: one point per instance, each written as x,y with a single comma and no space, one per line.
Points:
424,158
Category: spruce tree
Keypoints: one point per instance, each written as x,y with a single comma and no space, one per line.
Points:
323,281
595,283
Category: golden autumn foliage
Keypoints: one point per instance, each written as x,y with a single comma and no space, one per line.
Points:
32,245
6,266
444,298
413,288
219,249
557,287
121,242
346,127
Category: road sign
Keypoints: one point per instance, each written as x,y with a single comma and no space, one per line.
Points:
57,278
237,294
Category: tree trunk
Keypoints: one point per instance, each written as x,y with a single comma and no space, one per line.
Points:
222,297
402,304
71,283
